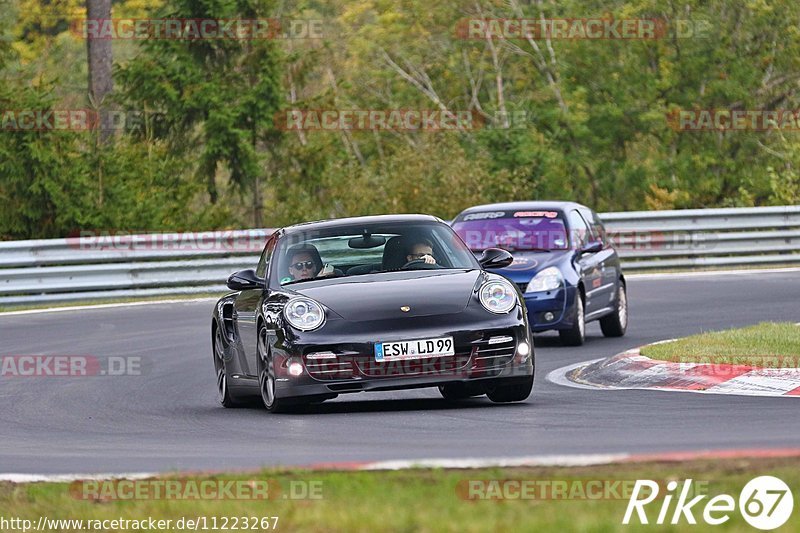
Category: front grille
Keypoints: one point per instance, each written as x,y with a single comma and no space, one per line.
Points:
431,366
490,359
522,286
330,369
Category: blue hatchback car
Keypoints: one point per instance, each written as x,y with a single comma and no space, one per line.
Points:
564,264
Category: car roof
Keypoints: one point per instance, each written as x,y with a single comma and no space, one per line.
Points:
526,205
358,221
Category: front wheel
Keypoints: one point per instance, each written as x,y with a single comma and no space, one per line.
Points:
576,335
224,396
514,392
266,375
615,324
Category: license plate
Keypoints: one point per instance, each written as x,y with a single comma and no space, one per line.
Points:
416,349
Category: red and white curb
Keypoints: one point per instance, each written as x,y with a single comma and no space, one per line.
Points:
567,460
632,371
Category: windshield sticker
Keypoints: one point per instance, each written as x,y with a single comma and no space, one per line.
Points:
484,216
522,262
539,214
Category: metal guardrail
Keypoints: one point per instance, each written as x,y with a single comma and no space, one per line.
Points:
705,238
92,267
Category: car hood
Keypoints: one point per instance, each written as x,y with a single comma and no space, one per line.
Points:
380,296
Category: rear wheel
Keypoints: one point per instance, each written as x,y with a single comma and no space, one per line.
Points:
224,396
266,376
615,324
576,335
513,392
459,391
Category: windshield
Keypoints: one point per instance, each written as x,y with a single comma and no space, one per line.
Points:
513,230
368,249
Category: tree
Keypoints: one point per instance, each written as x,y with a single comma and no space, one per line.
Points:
217,97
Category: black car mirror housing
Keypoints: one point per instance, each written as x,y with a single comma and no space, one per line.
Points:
592,248
495,258
245,280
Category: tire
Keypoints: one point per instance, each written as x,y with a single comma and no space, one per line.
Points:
513,392
224,395
576,335
459,391
615,324
266,375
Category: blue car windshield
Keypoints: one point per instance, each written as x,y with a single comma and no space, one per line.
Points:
513,230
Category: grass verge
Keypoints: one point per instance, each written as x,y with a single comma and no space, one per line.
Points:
757,345
422,500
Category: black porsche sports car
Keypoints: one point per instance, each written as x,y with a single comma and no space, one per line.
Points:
366,304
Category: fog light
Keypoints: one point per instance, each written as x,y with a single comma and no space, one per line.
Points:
548,316
295,369
523,349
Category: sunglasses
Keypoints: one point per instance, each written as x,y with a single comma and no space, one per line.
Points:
303,265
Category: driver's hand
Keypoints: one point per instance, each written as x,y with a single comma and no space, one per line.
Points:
327,270
429,260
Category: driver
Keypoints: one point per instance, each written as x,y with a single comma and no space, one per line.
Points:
305,263
421,250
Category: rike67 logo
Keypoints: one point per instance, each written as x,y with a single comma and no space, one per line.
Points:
765,503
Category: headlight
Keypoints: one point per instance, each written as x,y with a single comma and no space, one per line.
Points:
304,313
548,279
498,296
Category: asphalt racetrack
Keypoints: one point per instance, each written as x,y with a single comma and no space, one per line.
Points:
167,418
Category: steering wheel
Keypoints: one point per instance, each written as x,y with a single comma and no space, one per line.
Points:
415,262
419,264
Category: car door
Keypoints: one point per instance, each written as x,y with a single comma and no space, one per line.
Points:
607,259
586,264
246,311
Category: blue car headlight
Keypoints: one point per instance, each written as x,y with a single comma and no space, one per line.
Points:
548,279
498,296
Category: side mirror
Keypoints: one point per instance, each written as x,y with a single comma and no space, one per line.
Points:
495,258
592,248
245,280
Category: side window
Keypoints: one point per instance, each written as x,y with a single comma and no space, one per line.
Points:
579,231
266,255
598,230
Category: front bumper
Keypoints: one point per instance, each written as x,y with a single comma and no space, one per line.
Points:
486,349
556,303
